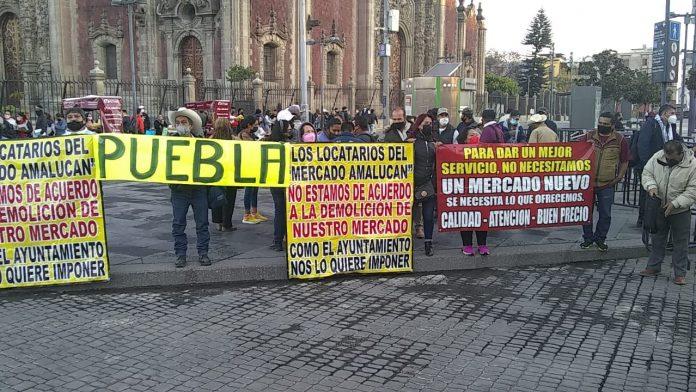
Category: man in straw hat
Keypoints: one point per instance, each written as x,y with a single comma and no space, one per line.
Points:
541,133
187,123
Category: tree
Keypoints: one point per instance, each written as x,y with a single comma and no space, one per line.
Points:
534,70
503,63
691,79
643,91
608,71
539,34
238,73
502,84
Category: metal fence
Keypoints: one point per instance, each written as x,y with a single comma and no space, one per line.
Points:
502,102
157,96
241,94
24,96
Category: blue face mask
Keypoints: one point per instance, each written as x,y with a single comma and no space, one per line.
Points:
513,121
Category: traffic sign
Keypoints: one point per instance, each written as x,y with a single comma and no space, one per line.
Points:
665,61
674,29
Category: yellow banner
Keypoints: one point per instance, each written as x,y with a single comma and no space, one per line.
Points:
349,209
51,215
185,160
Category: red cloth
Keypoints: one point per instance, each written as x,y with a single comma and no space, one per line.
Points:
141,124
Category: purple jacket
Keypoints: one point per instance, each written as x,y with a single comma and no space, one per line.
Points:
492,133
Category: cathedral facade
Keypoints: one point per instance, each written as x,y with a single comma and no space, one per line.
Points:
63,38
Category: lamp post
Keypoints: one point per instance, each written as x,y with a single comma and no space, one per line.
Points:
130,4
323,42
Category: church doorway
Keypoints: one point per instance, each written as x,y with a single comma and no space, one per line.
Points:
191,53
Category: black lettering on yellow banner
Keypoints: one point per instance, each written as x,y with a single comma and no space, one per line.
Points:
179,160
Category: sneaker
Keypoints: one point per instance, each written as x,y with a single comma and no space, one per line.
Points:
468,250
649,272
680,280
180,262
428,248
250,219
419,232
483,250
260,217
602,246
587,244
204,260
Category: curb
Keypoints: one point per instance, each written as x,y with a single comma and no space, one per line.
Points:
269,267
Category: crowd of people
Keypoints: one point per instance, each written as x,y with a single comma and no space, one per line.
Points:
656,154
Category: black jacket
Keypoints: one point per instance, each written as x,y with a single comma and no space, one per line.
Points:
392,136
7,131
423,162
463,130
651,140
446,136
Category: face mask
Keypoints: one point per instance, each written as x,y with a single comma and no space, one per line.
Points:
513,122
672,119
672,162
427,133
75,125
399,126
444,121
183,130
604,129
309,137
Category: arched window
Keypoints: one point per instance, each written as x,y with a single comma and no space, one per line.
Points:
270,62
331,68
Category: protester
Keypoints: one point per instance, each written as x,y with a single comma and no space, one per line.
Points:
549,123
397,130
251,193
424,181
222,216
289,113
188,124
160,124
10,120
371,121
541,133
76,123
60,125
346,135
332,131
468,123
513,131
147,123
362,129
307,133
7,131
670,175
92,124
654,133
492,133
129,122
612,155
346,115
41,120
446,134
618,122
278,132
140,122
24,128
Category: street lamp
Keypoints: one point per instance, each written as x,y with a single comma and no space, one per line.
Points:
130,4
324,42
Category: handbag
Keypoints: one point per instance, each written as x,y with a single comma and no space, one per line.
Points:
424,190
651,217
216,197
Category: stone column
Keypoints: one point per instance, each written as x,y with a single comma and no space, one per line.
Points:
365,46
208,54
310,93
97,76
480,53
171,59
258,92
226,35
351,95
189,82
461,36
441,15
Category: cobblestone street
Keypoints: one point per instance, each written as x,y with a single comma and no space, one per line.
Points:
588,326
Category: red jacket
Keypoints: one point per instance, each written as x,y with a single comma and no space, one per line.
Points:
141,124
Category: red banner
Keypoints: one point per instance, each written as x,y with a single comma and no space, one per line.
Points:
514,186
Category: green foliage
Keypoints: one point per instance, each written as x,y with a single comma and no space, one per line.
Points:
501,83
643,90
608,71
533,73
238,73
539,35
691,79
503,63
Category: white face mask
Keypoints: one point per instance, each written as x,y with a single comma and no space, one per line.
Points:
444,121
672,119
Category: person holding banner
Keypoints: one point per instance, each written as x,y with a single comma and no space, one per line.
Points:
188,124
251,193
612,153
222,216
446,133
397,129
541,133
77,124
423,179
670,175
278,132
492,134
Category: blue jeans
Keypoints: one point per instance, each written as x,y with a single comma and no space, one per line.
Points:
279,221
251,198
196,197
428,207
604,199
